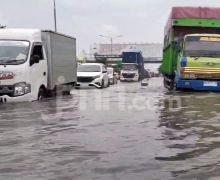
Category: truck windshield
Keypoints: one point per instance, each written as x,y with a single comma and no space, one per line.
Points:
202,47
129,67
89,68
13,52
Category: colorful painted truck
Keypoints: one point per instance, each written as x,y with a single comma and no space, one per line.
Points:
191,54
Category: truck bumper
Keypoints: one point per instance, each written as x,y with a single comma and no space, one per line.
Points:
24,98
88,84
199,85
96,83
135,79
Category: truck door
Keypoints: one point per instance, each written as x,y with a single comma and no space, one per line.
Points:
38,68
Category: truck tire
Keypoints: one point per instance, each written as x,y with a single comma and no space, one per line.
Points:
66,93
41,94
67,90
169,84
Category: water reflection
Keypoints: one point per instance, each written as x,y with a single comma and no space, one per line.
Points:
192,130
67,138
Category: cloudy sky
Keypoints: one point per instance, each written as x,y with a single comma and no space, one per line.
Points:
137,20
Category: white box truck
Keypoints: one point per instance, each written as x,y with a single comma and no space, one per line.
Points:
35,63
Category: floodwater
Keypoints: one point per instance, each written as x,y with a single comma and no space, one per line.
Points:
125,132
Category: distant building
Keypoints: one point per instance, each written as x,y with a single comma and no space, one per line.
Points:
149,50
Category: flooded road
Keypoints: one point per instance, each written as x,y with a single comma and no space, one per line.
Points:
124,132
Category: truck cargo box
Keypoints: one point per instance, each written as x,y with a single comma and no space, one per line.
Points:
192,13
61,52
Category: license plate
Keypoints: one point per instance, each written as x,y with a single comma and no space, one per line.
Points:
210,84
84,84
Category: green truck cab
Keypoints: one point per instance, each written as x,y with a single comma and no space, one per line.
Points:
191,54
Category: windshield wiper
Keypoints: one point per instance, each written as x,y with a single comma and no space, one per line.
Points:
196,58
204,55
212,54
3,61
12,61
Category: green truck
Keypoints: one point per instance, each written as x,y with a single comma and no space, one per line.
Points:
191,53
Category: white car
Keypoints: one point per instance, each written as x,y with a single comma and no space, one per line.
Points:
92,74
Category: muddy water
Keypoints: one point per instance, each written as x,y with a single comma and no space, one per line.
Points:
125,132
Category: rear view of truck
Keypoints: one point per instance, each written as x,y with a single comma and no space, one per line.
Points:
191,57
61,56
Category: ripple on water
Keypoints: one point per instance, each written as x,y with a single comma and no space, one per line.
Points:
56,139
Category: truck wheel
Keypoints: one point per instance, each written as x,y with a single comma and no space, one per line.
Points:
66,90
41,94
66,93
169,84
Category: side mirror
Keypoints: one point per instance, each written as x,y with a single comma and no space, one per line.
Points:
177,45
104,71
35,59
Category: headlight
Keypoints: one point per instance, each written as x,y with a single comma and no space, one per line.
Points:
189,76
185,76
192,76
22,89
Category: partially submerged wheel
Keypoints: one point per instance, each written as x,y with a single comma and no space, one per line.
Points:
41,94
66,93
169,83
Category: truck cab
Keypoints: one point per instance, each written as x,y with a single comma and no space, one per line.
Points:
198,66
23,65
129,72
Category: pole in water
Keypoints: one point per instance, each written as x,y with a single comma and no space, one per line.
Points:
55,16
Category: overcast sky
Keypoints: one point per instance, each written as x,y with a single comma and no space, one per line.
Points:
137,20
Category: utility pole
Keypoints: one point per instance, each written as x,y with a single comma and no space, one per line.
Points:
111,39
55,16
